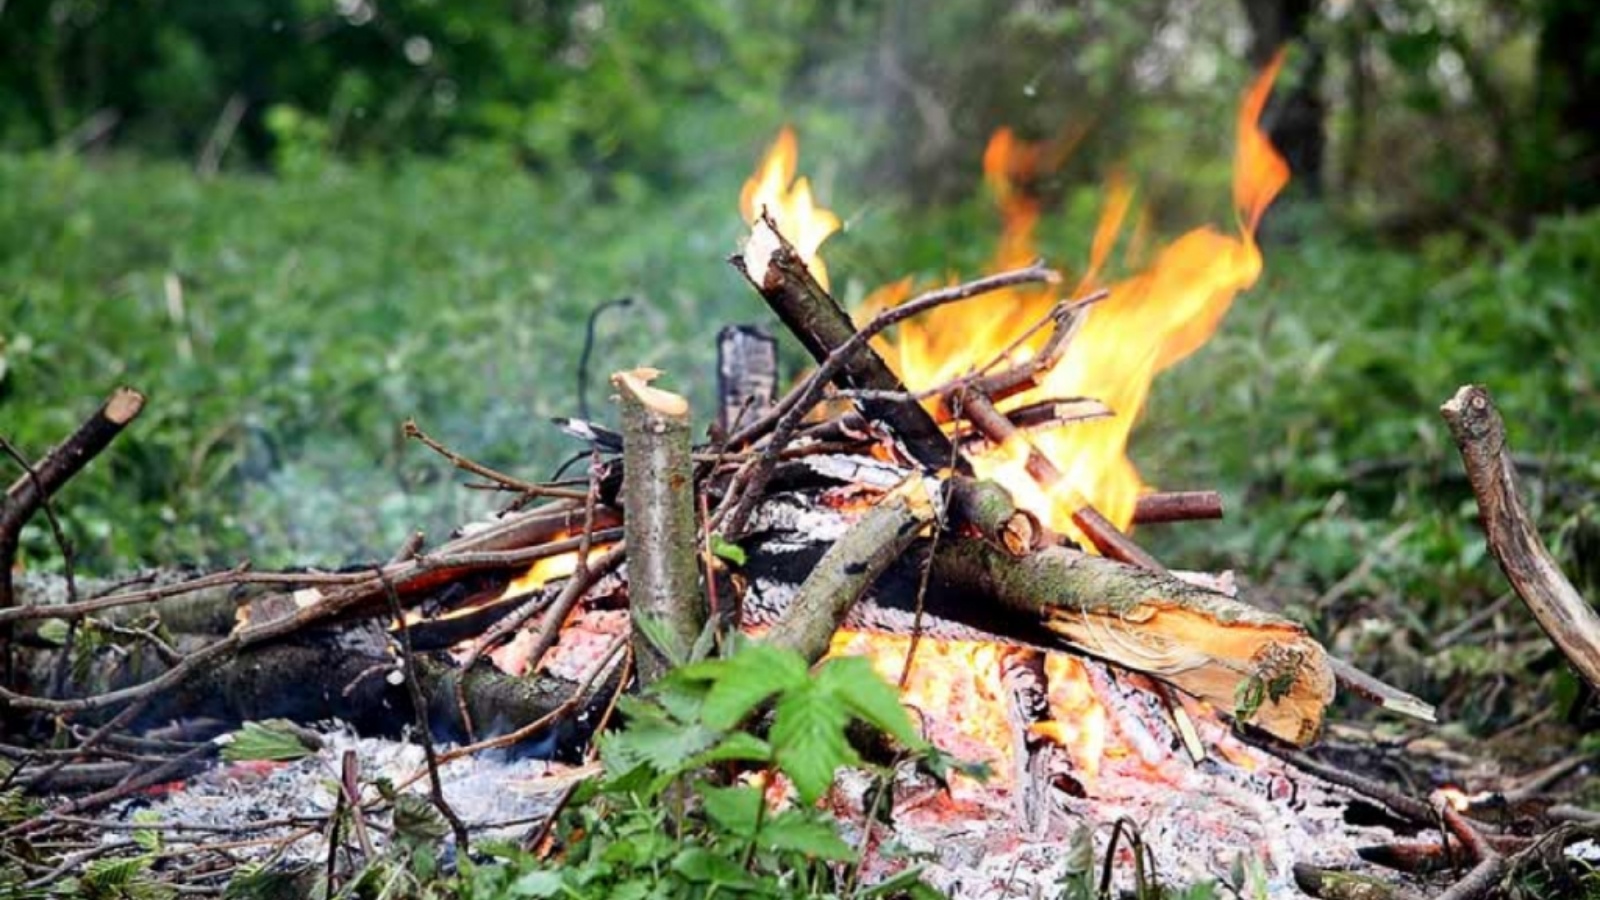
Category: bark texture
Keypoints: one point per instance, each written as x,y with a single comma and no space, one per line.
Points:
1566,617
659,526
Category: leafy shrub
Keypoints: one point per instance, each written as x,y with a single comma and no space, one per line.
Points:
662,823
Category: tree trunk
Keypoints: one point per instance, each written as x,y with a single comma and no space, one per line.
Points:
1295,119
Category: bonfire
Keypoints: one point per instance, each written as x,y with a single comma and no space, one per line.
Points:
948,493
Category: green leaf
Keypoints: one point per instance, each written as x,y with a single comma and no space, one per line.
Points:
539,883
701,866
799,831
417,821
749,677
663,747
1248,697
808,739
722,548
268,740
113,875
740,746
907,883
853,680
735,809
53,631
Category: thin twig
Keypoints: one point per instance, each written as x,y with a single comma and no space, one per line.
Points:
800,401
419,709
411,430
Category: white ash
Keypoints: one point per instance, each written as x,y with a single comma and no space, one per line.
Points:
856,470
485,790
1196,820
801,515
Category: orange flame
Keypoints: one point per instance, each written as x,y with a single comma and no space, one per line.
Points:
788,200
1149,322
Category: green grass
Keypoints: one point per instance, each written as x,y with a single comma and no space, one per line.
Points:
317,313
320,310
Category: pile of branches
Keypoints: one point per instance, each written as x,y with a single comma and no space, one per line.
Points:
692,540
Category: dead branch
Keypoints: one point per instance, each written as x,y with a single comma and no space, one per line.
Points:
40,481
988,510
411,430
1177,506
846,357
1569,620
419,706
825,330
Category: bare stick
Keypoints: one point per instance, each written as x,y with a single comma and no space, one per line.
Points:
419,710
1107,539
58,678
1565,616
577,585
411,430
845,355
1491,865
850,566
40,481
1177,506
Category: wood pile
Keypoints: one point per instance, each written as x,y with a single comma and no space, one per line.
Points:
788,523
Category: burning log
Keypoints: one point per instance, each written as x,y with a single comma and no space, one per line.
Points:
811,314
1265,668
850,566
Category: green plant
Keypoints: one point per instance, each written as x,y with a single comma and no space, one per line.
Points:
674,817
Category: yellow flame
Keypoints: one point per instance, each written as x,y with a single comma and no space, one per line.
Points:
1149,322
788,200
541,571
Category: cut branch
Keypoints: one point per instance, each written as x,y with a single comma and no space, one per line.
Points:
1563,614
1265,668
1177,506
41,481
781,276
664,599
850,566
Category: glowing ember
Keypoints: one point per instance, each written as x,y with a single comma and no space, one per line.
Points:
953,685
788,200
1457,798
542,571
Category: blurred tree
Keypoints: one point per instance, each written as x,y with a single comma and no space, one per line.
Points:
1563,171
1298,110
596,83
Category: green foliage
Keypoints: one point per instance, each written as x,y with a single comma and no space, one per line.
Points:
604,86
664,822
119,878
285,328
723,548
269,740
